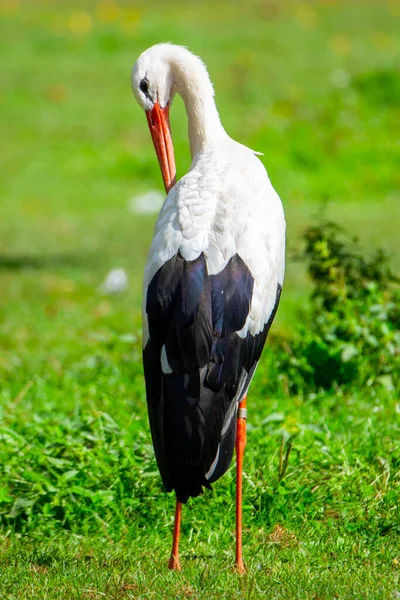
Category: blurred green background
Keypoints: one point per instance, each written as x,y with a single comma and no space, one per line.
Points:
315,86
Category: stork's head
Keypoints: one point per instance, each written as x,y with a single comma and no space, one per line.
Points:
152,85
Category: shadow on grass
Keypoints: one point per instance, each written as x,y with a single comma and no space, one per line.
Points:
30,262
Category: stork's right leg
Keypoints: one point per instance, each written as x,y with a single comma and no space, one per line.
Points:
174,558
240,446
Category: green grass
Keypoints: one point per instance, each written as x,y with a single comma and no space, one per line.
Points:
315,87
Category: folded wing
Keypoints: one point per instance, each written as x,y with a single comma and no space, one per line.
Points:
198,367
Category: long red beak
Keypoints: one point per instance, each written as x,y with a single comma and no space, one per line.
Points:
160,129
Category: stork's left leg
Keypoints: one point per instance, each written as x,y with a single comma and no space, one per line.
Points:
240,446
174,563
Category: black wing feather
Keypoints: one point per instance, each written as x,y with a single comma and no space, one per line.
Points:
196,317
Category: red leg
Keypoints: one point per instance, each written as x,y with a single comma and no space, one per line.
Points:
174,558
240,446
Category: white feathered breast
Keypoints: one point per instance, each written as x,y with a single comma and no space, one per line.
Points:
224,205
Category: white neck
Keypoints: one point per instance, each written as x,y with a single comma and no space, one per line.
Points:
192,83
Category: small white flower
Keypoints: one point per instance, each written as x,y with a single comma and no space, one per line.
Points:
116,281
149,202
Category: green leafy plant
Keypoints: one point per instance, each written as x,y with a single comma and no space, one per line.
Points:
353,329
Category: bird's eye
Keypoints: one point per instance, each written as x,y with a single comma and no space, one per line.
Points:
144,86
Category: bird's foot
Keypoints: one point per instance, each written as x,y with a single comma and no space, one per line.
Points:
240,568
174,563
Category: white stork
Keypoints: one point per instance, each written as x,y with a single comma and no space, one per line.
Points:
211,286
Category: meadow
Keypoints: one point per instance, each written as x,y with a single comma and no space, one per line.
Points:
314,86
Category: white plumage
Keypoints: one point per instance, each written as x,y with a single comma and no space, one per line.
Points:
225,205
